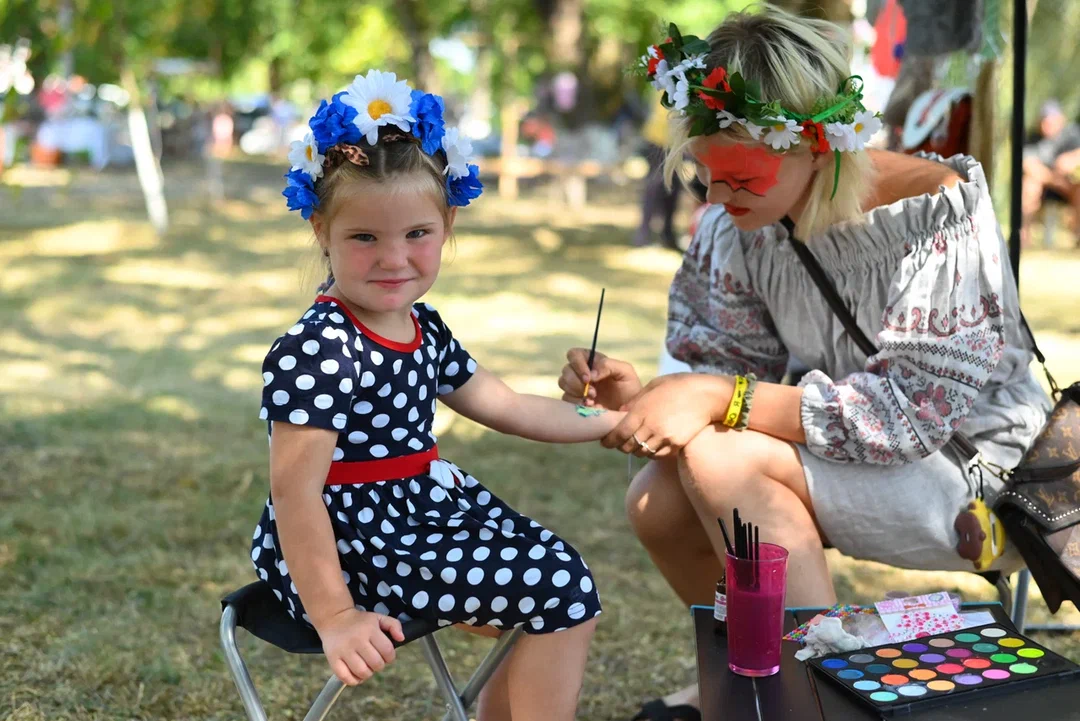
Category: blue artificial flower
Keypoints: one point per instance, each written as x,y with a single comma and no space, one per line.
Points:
467,187
429,127
300,193
333,124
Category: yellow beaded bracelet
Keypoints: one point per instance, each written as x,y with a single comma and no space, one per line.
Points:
735,407
748,399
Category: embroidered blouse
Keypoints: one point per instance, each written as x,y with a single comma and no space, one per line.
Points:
928,280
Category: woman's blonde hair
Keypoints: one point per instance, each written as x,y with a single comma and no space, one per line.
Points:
796,61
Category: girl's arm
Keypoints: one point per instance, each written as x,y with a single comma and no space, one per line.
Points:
485,399
299,461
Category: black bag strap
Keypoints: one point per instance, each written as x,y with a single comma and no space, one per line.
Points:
960,442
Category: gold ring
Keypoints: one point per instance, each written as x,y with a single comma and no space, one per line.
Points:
643,445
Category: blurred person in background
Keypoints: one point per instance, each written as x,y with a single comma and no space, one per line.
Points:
1052,167
657,198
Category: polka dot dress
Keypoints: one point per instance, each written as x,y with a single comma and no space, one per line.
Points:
437,546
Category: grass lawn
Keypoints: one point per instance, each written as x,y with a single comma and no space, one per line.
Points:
133,464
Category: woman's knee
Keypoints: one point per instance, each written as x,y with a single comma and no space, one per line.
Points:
656,505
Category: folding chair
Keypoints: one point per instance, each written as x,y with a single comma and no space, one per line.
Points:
256,608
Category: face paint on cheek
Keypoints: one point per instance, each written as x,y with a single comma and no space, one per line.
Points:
742,168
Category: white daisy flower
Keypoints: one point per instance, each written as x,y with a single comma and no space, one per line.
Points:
864,127
682,95
726,119
782,133
651,51
304,155
458,152
380,99
662,79
841,136
754,130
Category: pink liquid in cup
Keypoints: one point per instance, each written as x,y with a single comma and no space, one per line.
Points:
755,621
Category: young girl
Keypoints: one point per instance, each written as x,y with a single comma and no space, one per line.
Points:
366,524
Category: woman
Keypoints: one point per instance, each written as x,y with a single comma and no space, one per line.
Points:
855,456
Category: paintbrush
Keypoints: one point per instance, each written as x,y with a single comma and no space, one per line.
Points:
592,351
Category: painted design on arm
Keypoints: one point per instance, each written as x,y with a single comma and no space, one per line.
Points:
589,412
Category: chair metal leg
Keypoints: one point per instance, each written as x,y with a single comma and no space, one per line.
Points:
443,678
1019,609
487,667
248,695
325,700
1005,593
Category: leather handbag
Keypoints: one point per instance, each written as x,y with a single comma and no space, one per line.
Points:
1039,505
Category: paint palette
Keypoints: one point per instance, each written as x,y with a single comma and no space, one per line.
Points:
945,668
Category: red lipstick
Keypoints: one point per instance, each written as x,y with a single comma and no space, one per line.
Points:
736,210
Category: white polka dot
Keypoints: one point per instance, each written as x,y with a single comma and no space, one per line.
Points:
363,408
397,366
345,386
323,401
280,398
380,421
537,552
367,379
380,607
298,417
564,557
448,575
452,369
503,576
376,357
329,366
531,577
378,561
338,455
415,444
446,603
255,553
412,378
413,415
287,363
378,451
358,437
418,356
560,578
576,611
454,555
268,378
481,553
356,368
385,391
508,526
586,584
424,572
508,554
526,605
366,515
545,535
386,527
305,382
485,534
345,351
400,400
383,589
498,604
330,333
421,598
430,371
495,512
483,498
475,576
346,499
422,393
444,389
336,317
296,329
431,350
470,366
311,347
403,569
409,538
537,622
398,433
358,545
263,414
551,603
428,556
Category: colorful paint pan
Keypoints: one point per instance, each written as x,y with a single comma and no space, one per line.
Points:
906,677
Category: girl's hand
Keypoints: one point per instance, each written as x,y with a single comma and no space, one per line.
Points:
356,643
612,383
669,412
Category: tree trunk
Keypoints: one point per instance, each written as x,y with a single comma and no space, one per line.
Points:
417,27
146,166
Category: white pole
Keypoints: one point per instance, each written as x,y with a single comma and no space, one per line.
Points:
146,165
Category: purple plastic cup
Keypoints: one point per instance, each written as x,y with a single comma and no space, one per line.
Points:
755,621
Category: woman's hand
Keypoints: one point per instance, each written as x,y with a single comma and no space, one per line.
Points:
357,644
669,412
612,383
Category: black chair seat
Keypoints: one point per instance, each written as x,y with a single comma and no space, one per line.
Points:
264,616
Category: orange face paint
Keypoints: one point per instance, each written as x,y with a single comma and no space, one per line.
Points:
742,168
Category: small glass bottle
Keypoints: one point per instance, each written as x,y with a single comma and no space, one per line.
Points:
720,608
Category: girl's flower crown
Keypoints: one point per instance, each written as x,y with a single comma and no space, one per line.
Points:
356,114
717,100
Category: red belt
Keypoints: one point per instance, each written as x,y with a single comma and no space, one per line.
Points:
384,469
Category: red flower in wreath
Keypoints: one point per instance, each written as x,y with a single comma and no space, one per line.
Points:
716,79
816,133
654,61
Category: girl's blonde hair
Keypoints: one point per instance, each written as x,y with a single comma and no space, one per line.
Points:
396,163
796,61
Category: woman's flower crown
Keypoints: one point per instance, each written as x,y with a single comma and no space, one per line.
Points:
356,114
717,100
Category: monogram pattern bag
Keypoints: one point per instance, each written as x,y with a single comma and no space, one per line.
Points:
1039,505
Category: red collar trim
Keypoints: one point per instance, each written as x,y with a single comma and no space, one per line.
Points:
372,335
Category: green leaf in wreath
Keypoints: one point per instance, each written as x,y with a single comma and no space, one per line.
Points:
696,46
